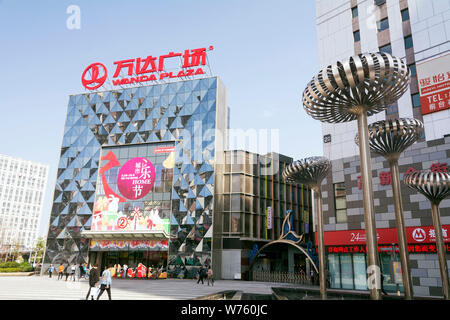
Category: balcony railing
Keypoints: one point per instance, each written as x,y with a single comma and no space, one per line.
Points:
285,277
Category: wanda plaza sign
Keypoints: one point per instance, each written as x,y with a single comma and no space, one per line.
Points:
137,70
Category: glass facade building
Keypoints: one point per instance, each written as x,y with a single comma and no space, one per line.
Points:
249,188
106,132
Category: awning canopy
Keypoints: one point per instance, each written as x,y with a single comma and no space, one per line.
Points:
126,235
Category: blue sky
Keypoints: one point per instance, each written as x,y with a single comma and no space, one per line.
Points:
265,52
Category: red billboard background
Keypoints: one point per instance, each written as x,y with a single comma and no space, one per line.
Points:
414,235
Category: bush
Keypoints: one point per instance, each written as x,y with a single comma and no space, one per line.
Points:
15,267
6,270
11,264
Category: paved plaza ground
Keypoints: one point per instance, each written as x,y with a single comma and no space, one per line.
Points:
44,288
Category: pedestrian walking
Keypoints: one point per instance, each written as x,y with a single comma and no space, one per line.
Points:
312,274
209,273
67,271
60,271
86,271
50,270
105,283
80,271
93,279
201,275
73,269
125,267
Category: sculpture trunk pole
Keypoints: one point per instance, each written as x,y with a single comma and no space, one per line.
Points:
311,171
369,212
321,244
440,246
401,233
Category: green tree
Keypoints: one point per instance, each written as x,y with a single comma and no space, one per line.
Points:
40,247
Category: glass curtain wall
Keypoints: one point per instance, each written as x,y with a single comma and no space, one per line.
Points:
348,271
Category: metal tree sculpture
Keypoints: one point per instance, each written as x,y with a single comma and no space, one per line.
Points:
389,139
436,187
311,171
353,89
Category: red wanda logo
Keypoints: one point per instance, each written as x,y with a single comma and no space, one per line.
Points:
98,77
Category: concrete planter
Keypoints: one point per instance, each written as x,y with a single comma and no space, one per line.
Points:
16,274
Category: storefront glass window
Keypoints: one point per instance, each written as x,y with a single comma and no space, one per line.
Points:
334,270
359,269
346,271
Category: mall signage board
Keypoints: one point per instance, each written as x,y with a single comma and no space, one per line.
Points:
414,235
434,84
147,69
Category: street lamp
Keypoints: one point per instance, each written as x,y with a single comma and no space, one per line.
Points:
311,171
353,89
389,139
436,187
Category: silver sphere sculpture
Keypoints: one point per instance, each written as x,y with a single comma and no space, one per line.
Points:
311,172
436,187
389,138
370,80
353,89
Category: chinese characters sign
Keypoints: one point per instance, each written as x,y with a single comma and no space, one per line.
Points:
269,218
385,176
136,178
414,235
434,84
150,68
417,248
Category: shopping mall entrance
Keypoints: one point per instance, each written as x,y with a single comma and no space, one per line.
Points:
135,254
153,259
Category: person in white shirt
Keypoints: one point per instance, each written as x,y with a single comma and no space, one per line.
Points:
105,282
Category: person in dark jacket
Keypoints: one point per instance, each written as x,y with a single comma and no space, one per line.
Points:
201,275
94,277
81,271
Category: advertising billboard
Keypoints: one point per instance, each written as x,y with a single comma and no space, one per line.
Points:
134,188
434,84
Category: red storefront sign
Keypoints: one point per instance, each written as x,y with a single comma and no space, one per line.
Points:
413,248
146,69
434,84
164,150
414,235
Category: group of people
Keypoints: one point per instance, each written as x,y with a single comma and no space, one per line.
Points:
140,272
205,273
69,270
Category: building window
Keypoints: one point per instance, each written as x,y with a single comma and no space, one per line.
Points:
340,202
354,12
405,14
392,109
356,36
415,100
386,49
412,67
408,42
383,24
379,2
